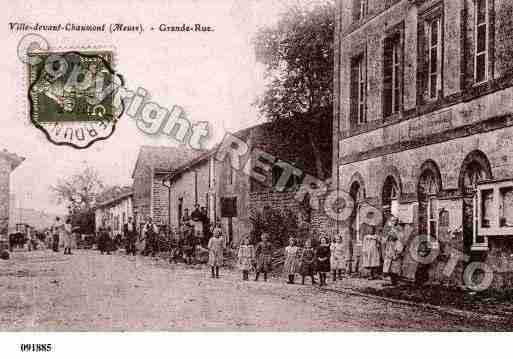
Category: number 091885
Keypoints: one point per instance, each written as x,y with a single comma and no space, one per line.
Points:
36,347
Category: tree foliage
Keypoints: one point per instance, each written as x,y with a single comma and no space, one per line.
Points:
80,190
298,56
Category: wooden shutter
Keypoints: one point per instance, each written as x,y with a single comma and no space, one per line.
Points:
354,92
387,76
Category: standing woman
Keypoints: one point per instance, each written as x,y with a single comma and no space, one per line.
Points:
67,236
371,252
216,246
291,260
246,257
323,260
338,257
393,250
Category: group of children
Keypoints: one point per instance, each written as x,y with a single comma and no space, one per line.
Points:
306,261
249,256
309,260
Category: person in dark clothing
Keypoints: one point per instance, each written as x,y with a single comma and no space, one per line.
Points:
188,244
323,260
186,218
196,214
130,232
150,233
308,262
56,229
205,226
104,240
263,254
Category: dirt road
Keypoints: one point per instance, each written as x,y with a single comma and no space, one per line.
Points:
87,291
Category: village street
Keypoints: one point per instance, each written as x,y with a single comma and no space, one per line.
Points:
43,290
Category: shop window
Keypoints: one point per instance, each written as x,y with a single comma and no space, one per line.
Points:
506,207
486,208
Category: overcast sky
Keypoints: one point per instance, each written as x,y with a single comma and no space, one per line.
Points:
213,76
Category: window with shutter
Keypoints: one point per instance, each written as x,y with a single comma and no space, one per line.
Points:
392,75
430,54
481,22
358,91
434,54
359,10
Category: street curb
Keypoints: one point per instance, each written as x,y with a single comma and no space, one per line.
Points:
447,310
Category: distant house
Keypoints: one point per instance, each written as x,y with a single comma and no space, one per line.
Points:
8,163
230,195
153,164
114,209
191,184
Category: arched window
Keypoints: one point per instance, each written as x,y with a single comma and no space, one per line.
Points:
357,195
475,167
429,185
390,196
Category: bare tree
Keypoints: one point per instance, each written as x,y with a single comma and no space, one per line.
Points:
80,190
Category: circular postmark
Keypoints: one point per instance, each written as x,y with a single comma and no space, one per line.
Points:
72,96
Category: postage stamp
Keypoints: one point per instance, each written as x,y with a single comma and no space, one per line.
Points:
71,96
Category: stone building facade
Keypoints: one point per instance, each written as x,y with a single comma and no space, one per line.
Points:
192,184
8,163
153,165
115,212
423,112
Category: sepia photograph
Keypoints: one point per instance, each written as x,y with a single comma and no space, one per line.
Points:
260,166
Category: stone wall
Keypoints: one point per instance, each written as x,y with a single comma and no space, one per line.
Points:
5,171
319,222
142,185
159,199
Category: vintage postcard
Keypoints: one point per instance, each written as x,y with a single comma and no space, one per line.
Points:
256,166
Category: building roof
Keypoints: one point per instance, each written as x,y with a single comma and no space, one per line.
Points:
123,193
287,140
13,158
164,158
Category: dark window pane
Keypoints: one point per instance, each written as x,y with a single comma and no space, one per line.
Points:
434,58
396,104
480,68
434,32
481,11
432,92
387,77
354,90
481,38
357,9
